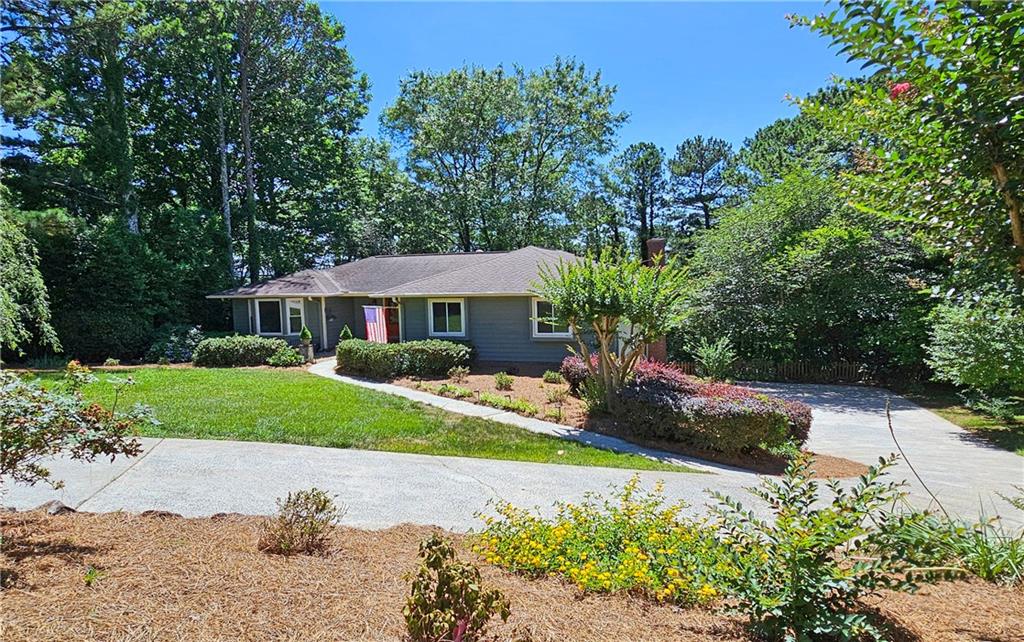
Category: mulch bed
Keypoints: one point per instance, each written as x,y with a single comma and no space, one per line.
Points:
168,578
528,384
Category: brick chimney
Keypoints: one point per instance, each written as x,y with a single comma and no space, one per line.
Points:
658,350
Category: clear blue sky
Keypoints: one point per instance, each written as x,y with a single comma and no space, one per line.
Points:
714,68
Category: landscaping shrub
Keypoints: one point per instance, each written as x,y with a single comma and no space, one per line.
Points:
346,333
458,374
111,362
448,601
979,347
575,372
716,423
714,358
387,360
174,342
303,524
305,336
286,357
648,372
550,376
804,570
37,424
503,381
635,541
236,351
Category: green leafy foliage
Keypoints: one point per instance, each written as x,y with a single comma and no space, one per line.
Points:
237,351
798,275
174,342
941,139
287,357
387,360
458,374
522,406
346,333
598,294
24,302
503,381
303,525
551,376
988,549
714,358
38,423
633,541
447,600
979,345
804,569
305,336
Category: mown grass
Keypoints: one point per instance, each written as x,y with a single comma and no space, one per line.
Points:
945,402
289,406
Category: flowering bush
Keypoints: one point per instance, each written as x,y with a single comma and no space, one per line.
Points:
174,342
634,542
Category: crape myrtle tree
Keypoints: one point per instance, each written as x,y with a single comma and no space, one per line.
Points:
604,295
941,143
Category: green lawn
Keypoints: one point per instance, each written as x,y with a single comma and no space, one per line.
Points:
289,406
945,402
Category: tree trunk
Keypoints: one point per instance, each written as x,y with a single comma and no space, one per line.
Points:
225,193
245,123
1013,202
113,72
707,215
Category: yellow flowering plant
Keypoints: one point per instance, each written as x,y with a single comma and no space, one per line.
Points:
633,541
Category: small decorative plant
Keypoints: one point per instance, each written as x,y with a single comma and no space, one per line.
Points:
303,524
448,600
556,395
305,336
503,381
111,361
458,374
550,376
285,357
346,333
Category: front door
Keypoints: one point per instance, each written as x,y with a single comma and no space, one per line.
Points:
393,324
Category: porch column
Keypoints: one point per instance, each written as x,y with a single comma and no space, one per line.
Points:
323,323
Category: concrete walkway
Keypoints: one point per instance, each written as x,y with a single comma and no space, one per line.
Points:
201,477
380,489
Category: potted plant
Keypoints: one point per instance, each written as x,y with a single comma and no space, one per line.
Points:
306,339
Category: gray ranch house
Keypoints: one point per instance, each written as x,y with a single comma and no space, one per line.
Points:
480,297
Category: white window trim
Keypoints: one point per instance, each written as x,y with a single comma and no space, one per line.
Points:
430,317
534,323
256,309
288,316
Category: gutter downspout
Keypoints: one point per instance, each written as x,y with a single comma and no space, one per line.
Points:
323,323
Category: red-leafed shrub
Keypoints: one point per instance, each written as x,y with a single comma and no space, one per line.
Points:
648,372
575,372
716,423
799,415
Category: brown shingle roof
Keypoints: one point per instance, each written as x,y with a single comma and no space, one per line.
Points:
415,275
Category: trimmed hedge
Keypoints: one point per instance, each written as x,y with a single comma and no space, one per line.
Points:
236,351
724,424
389,360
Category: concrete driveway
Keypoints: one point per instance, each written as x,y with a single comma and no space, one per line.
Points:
200,477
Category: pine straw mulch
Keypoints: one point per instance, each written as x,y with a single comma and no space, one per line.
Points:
528,384
169,578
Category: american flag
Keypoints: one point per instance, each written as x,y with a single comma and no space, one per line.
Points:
376,328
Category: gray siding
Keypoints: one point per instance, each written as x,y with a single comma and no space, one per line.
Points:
242,321
498,327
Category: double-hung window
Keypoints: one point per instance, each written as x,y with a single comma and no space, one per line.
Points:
542,327
268,316
447,317
296,317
